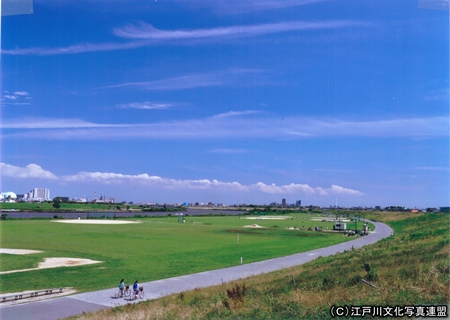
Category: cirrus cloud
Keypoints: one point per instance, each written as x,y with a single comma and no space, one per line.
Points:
149,32
245,124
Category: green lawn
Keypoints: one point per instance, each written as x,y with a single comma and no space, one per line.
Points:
154,249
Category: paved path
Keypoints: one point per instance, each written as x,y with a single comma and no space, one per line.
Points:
92,301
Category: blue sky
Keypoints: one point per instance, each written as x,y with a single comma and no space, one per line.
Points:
247,101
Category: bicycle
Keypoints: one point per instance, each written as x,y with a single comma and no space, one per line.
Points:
124,292
139,294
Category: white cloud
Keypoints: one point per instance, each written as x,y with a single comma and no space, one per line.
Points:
30,171
305,189
35,171
291,188
16,98
148,32
22,93
341,190
156,181
145,105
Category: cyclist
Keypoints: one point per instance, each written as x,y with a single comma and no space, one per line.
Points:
136,288
121,287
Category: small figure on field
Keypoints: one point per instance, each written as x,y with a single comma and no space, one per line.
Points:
121,286
136,288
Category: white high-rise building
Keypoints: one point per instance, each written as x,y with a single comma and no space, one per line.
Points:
39,194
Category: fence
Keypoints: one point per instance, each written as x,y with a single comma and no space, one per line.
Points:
32,294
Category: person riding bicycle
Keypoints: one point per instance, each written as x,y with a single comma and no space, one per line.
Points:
121,286
136,288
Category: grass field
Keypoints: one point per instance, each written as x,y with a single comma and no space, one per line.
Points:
411,268
154,249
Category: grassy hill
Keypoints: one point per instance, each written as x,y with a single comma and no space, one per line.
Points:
410,268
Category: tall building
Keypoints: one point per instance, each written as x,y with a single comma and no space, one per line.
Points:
39,194
283,202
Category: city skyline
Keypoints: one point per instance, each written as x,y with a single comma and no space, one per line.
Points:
228,102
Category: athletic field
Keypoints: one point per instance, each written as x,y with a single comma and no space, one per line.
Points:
147,249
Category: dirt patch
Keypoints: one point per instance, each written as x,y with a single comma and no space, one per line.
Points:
64,262
95,221
253,226
56,262
18,251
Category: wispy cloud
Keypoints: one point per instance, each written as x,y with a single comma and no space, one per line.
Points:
229,151
35,171
247,6
145,105
45,123
235,114
144,34
401,127
232,77
149,32
244,125
438,95
432,168
259,5
75,49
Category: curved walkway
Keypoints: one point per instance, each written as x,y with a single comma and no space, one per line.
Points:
92,301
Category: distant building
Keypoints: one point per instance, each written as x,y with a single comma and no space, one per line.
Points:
39,194
104,200
64,199
283,202
8,196
339,225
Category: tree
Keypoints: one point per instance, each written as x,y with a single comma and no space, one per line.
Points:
56,202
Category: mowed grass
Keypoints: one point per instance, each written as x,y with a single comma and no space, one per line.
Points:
154,249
